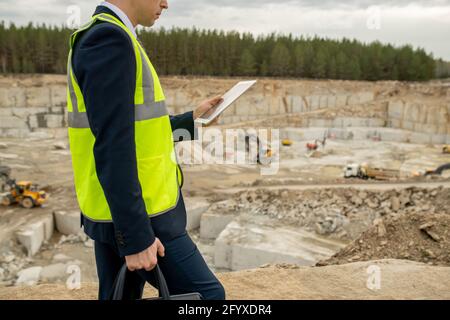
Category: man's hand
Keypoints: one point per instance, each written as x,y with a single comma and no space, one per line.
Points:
207,105
146,259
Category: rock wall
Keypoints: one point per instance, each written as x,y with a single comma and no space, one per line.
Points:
28,109
35,105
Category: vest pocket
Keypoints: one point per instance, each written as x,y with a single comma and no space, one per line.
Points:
152,177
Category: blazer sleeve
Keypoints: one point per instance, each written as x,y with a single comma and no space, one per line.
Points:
183,127
105,66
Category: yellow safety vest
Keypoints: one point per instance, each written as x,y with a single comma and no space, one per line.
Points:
159,175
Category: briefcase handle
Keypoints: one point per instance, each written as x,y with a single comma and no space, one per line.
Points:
119,283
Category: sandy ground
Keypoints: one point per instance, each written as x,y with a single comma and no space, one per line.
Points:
383,279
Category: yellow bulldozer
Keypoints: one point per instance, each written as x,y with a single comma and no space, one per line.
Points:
25,193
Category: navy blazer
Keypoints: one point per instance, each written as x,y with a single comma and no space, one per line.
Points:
104,64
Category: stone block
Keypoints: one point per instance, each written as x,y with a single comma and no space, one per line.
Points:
438,138
67,222
353,100
4,101
37,97
395,109
58,95
212,224
31,237
54,120
37,121
16,97
58,110
375,122
14,133
332,101
412,112
313,102
28,277
49,226
6,112
241,109
24,113
407,125
417,137
243,245
57,133
12,122
258,106
53,272
366,97
298,105
195,207
320,123
275,106
341,100
323,103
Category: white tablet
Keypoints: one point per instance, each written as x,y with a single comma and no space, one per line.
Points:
228,98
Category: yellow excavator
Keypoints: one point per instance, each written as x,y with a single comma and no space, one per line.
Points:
25,193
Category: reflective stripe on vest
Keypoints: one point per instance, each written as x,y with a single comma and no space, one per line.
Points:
158,172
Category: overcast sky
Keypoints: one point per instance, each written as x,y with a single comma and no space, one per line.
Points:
420,23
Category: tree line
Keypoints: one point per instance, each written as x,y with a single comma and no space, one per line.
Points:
180,51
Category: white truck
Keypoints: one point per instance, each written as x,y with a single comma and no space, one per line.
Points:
364,171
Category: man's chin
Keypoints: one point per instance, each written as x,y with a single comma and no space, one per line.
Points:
148,23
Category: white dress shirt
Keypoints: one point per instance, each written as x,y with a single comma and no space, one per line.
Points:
126,21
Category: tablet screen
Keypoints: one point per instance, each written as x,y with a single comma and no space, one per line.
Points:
228,98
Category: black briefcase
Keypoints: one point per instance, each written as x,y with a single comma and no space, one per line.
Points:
119,284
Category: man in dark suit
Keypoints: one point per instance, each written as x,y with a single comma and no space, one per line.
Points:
104,64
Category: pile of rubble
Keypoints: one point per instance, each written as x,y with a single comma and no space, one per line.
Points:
418,237
342,213
18,268
10,265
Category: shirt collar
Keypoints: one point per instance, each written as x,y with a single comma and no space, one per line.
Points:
121,15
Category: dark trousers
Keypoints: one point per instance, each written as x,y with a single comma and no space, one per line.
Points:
183,267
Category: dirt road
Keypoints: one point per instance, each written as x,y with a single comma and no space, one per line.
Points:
384,279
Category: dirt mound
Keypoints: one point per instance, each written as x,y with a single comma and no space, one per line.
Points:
397,280
415,236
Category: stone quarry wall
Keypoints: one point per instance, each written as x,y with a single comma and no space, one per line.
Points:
35,105
32,107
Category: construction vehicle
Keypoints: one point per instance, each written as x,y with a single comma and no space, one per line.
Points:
286,142
438,171
25,193
364,171
446,149
267,153
312,146
4,177
315,145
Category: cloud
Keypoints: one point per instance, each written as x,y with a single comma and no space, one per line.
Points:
190,5
420,23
